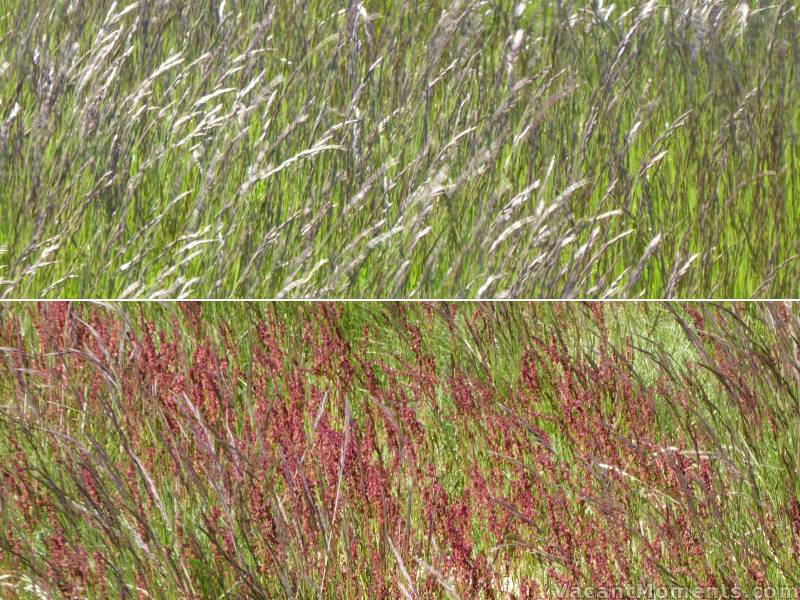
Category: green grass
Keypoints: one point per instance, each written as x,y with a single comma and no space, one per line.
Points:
102,454
310,150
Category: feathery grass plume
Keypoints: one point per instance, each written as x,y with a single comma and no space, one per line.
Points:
179,149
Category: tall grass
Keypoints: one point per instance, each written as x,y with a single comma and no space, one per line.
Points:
385,451
399,149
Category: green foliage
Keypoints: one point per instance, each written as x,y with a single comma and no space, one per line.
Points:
367,449
390,149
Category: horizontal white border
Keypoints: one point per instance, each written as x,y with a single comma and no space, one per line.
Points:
409,300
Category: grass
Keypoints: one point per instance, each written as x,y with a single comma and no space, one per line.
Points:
399,149
390,450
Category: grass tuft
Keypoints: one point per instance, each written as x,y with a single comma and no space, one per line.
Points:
388,149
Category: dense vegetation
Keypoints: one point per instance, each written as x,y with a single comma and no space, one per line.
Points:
386,451
545,148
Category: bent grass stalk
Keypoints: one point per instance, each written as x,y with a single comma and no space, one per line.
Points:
421,451
530,149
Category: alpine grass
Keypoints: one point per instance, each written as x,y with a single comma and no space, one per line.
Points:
545,148
399,451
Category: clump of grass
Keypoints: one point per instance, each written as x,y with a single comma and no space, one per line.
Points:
474,451
379,149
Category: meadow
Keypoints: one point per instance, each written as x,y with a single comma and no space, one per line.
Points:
398,450
399,149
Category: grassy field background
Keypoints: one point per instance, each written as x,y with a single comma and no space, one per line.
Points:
390,450
399,149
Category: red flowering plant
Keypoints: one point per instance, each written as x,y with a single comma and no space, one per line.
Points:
422,451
